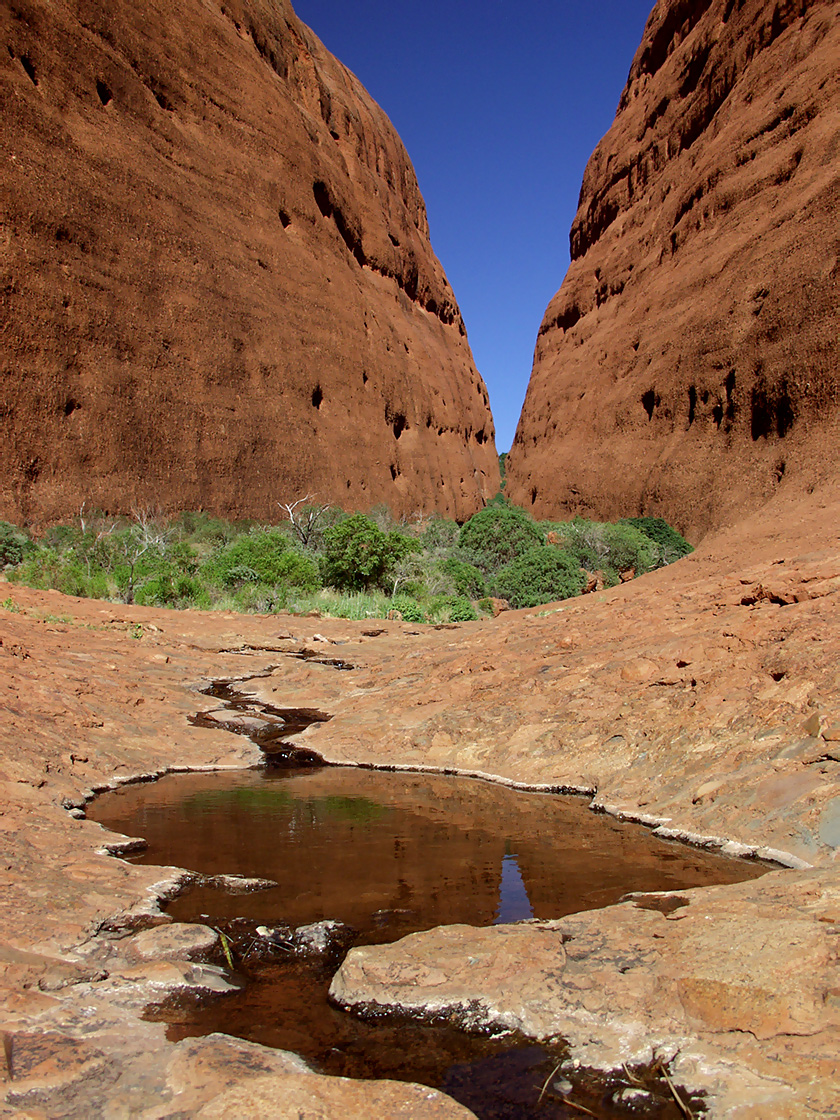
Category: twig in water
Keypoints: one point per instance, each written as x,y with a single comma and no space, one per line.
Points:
226,949
631,1077
681,1105
577,1107
546,1083
568,1103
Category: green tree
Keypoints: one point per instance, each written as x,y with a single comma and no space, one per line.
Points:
358,555
496,535
542,575
467,580
263,557
14,544
671,545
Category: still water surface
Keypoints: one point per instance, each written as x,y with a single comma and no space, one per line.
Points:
389,854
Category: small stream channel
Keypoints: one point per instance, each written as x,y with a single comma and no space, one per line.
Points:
387,854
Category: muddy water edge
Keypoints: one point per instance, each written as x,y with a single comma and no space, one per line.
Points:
385,854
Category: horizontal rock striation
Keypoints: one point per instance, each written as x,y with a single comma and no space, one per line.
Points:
218,288
688,365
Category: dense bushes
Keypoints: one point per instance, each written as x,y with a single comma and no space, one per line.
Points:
358,555
264,556
616,548
345,565
14,544
496,535
467,580
542,575
671,546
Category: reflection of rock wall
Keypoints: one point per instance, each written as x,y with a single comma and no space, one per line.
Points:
329,838
218,287
688,365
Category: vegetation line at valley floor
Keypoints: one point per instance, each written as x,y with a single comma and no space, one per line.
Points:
338,564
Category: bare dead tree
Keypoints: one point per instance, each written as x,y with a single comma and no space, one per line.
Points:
304,515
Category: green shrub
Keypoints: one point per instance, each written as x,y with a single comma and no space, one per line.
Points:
542,575
46,568
409,608
62,537
467,580
462,610
671,546
496,535
358,556
263,557
203,528
14,544
628,547
259,599
440,535
604,546
499,499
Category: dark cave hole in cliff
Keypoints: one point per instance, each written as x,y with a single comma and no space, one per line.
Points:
285,220
163,101
692,403
394,241
399,424
103,92
481,436
533,495
717,414
26,63
771,412
317,397
650,400
322,198
70,406
394,472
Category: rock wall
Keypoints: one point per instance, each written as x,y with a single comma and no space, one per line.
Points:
687,367
218,288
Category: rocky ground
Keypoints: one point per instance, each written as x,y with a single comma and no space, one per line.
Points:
702,700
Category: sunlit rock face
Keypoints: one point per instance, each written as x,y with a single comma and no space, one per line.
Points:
219,289
687,367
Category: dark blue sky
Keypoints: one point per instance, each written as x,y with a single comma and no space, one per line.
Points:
499,106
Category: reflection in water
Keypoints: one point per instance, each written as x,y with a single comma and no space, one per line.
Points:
514,904
387,854
390,854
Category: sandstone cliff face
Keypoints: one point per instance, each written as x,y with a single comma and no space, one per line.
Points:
688,365
218,288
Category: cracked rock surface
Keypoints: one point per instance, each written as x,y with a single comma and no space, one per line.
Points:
687,699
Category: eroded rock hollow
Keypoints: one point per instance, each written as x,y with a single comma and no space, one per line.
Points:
687,367
218,287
